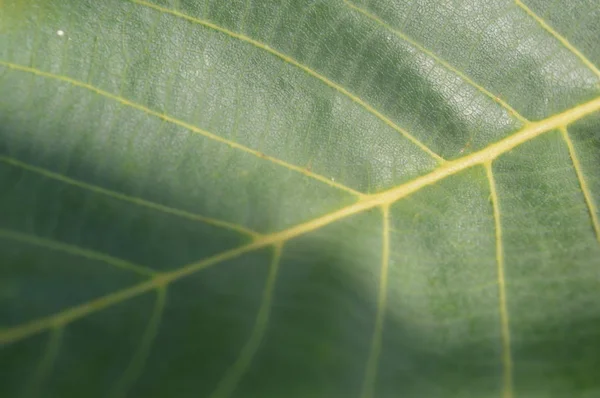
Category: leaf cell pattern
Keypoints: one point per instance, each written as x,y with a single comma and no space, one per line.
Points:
303,189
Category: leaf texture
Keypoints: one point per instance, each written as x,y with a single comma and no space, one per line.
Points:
299,198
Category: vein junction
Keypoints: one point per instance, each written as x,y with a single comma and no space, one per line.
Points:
383,199
160,282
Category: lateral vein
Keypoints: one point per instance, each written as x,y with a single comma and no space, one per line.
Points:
559,37
376,341
297,64
234,374
438,59
76,251
131,199
139,358
587,193
502,304
527,133
183,124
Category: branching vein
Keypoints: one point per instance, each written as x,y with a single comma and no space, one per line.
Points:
138,361
45,365
439,60
75,250
297,64
175,121
560,38
527,133
587,193
503,309
130,199
235,373
375,353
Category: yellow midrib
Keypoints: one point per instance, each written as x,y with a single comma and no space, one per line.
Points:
529,132
384,200
449,168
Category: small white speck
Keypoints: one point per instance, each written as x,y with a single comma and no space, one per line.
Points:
332,179
60,32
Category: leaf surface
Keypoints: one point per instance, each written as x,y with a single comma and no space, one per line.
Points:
299,198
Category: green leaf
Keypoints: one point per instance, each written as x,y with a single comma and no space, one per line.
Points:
299,198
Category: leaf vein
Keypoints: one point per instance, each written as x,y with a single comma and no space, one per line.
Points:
527,133
138,361
559,37
438,59
183,124
130,199
75,250
587,193
297,64
44,367
234,374
503,309
376,342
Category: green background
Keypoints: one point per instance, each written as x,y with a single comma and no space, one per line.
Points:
213,199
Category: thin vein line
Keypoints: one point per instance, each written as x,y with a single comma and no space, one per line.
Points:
136,366
587,193
439,60
77,251
46,363
183,124
375,352
234,374
503,309
560,38
297,64
130,199
527,133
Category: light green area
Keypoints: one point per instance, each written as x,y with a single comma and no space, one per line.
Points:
297,198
